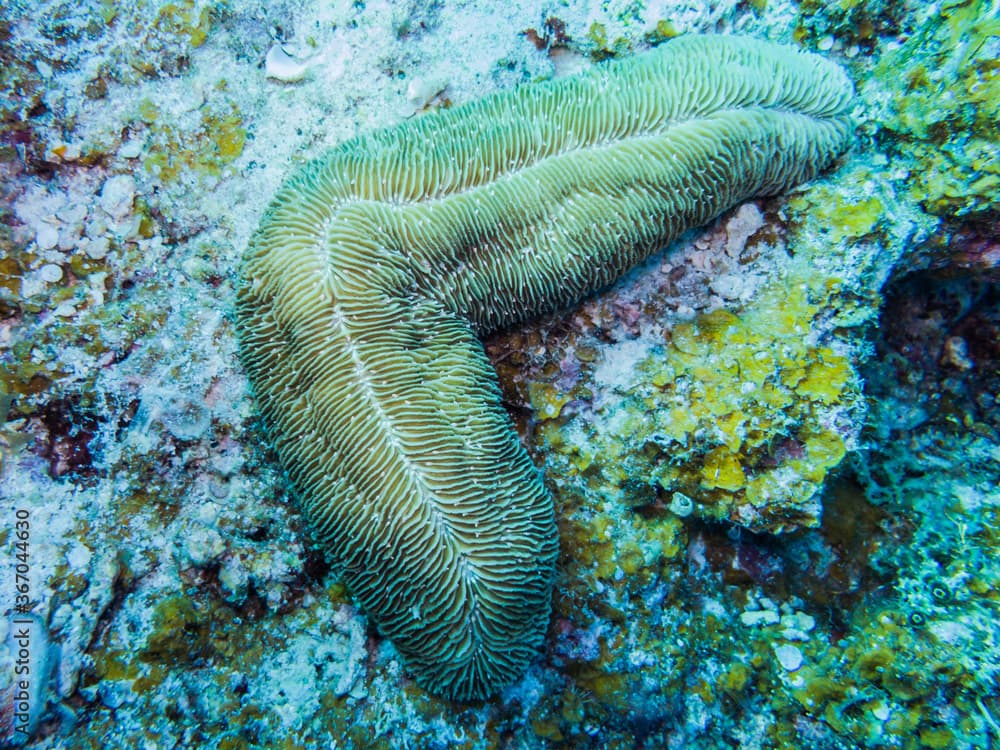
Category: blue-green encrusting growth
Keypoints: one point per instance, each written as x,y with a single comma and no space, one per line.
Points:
378,264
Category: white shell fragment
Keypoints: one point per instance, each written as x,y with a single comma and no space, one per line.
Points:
117,196
281,66
46,236
789,656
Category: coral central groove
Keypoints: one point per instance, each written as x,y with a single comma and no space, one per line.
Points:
376,266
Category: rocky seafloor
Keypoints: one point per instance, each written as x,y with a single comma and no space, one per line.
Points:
774,449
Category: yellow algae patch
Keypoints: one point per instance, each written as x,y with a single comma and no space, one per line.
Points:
739,412
843,219
205,148
546,400
722,470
